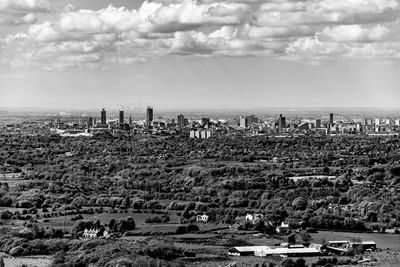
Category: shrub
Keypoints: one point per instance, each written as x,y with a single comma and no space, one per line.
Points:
192,228
181,230
17,251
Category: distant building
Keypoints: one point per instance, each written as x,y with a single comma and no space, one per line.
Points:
181,121
288,251
317,123
377,122
201,134
281,123
253,218
90,122
246,121
339,247
121,117
283,229
202,218
92,233
149,114
331,119
103,116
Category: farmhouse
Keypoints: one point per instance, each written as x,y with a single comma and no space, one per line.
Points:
264,251
92,233
202,218
283,229
253,218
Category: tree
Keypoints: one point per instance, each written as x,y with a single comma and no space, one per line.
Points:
300,203
300,262
306,237
292,239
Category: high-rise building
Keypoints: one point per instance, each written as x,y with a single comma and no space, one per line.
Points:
317,123
149,114
181,121
281,123
243,122
331,118
103,117
121,117
247,121
90,122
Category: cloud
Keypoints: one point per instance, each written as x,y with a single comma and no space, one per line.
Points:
312,31
16,12
25,5
354,33
328,11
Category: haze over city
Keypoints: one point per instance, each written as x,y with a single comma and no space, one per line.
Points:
199,54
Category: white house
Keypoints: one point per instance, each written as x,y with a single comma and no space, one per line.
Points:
253,218
202,218
92,233
283,228
249,218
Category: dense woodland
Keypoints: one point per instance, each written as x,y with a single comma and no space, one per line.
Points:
225,178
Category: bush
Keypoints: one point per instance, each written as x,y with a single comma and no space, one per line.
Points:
192,228
153,219
26,233
181,230
17,251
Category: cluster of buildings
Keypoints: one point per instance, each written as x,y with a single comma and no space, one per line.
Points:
288,250
200,129
280,126
206,128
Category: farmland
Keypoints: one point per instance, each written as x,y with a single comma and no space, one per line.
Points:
145,194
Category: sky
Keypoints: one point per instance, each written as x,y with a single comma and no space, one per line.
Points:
75,54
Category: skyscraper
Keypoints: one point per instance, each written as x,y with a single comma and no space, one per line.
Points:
181,121
121,117
90,122
318,123
243,122
281,123
331,119
103,117
149,114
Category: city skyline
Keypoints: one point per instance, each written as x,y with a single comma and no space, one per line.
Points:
192,54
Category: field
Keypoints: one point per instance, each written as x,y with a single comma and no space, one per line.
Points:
106,217
34,261
383,241
387,254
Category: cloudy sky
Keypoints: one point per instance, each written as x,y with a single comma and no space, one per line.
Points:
204,53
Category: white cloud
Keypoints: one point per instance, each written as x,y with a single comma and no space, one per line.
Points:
354,33
328,11
25,5
16,12
309,31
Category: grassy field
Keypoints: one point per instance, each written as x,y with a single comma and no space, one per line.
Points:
36,261
383,241
105,218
